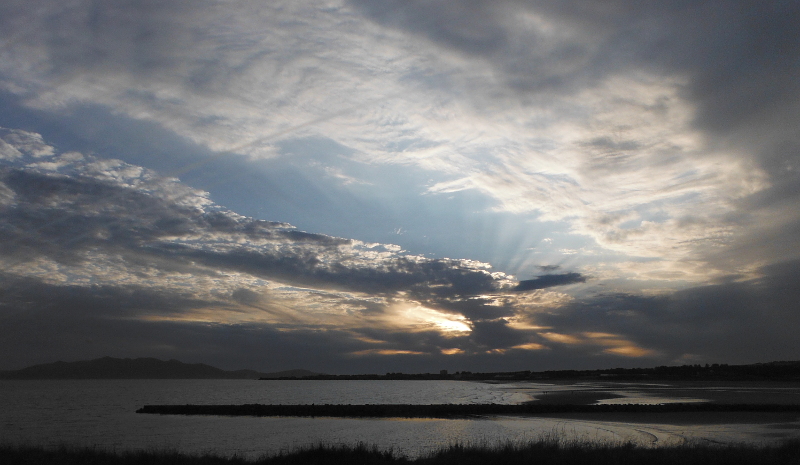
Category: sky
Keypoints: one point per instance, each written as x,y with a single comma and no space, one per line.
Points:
371,186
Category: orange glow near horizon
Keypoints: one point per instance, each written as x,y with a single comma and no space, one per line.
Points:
562,338
530,346
453,351
385,352
629,351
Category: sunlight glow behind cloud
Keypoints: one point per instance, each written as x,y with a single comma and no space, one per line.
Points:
442,321
564,181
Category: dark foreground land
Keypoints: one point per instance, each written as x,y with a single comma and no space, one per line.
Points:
449,410
541,453
771,371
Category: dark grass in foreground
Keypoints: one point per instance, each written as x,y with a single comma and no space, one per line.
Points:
540,453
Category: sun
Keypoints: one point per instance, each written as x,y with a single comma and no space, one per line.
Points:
447,323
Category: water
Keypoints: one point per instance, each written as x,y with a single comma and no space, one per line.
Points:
101,413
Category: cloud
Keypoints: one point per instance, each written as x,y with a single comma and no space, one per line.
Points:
34,299
651,146
86,204
551,46
570,111
470,26
96,240
550,280
105,232
689,72
44,322
741,321
100,245
549,267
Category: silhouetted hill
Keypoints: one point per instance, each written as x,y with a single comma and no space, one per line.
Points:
137,368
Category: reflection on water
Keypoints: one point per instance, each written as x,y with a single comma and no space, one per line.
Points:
661,393
101,413
635,397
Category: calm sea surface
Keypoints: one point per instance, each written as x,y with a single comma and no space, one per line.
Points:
101,413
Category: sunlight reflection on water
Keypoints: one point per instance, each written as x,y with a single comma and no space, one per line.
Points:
101,413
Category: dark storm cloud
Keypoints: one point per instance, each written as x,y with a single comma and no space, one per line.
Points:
495,335
43,329
43,322
550,280
733,322
471,26
31,298
133,36
739,56
549,268
421,341
53,321
482,28
739,48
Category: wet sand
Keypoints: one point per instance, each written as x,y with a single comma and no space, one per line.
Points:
718,392
722,393
785,420
734,393
576,397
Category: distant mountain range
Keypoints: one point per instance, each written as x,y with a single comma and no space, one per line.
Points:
139,368
152,368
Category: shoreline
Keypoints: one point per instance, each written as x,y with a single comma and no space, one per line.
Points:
457,410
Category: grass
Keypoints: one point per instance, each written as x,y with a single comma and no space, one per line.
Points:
541,452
